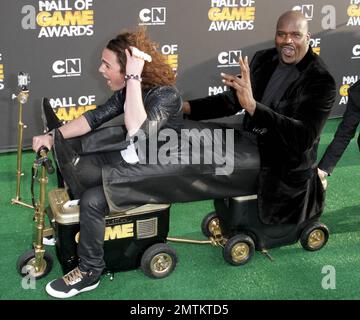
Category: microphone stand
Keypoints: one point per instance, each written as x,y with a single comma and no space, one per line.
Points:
22,98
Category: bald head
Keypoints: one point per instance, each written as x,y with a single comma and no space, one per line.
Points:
292,37
293,16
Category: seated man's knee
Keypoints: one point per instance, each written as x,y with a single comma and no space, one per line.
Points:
94,200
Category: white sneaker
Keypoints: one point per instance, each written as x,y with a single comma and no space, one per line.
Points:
49,241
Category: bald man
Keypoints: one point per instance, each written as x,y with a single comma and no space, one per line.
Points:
287,94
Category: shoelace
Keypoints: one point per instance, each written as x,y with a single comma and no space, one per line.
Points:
73,276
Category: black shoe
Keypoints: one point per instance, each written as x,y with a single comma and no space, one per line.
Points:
50,119
72,284
67,160
65,153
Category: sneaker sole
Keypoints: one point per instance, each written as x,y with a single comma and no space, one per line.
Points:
71,293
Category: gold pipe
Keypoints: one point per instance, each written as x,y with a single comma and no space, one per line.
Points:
189,240
40,220
39,248
17,201
22,98
19,153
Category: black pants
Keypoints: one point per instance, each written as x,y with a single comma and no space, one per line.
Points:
83,175
127,184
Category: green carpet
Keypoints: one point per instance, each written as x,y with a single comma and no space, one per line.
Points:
202,272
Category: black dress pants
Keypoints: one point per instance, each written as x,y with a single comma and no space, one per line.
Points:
83,175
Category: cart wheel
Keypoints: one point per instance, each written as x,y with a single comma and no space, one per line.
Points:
158,261
239,249
26,265
314,236
209,223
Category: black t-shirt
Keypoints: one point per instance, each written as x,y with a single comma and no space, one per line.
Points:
277,80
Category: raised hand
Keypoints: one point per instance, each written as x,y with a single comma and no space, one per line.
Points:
242,86
135,61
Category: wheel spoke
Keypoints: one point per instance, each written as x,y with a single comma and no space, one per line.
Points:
213,225
161,263
316,238
240,252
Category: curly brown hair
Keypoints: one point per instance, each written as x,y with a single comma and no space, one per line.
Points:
155,73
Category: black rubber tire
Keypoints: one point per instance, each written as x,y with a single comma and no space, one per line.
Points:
314,236
239,249
158,261
206,224
25,262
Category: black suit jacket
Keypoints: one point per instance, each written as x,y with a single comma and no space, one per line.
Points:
288,134
345,131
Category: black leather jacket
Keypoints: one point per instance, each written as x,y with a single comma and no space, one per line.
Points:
163,105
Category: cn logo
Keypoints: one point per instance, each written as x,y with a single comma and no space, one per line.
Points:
356,52
229,58
306,9
67,68
153,16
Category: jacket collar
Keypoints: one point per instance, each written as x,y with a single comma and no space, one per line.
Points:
308,58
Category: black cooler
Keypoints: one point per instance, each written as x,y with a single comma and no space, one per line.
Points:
127,235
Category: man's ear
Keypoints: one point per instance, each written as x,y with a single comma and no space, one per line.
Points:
308,36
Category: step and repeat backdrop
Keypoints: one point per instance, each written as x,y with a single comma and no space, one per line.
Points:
59,43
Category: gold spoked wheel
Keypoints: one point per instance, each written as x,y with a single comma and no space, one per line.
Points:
210,225
239,249
316,239
214,225
158,261
240,252
161,263
314,236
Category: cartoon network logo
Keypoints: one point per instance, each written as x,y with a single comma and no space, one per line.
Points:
66,68
306,9
229,58
153,16
356,52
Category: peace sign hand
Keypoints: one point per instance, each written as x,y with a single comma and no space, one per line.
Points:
242,86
